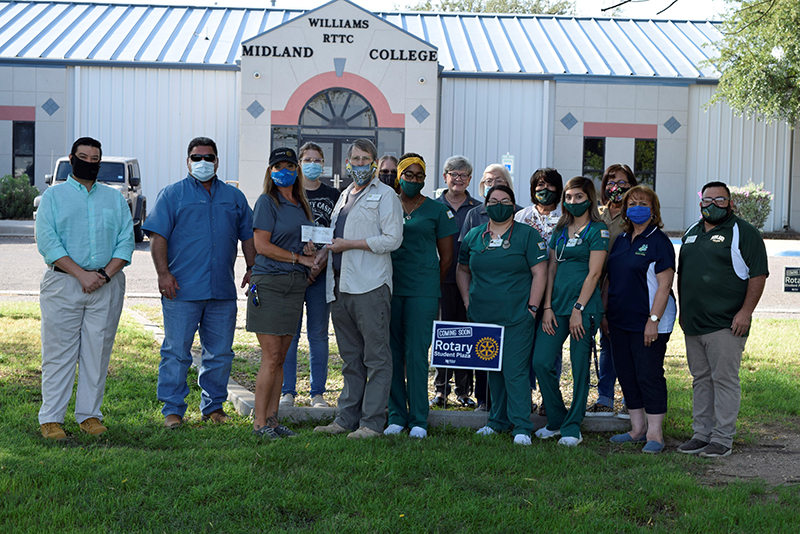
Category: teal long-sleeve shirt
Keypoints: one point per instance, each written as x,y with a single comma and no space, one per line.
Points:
91,227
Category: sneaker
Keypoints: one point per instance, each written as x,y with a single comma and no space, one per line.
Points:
623,413
418,432
485,431
546,433
600,410
522,439
693,446
287,399
267,433
332,428
93,426
285,432
392,430
363,433
436,402
481,407
318,402
715,450
217,416
53,431
466,402
569,441
173,421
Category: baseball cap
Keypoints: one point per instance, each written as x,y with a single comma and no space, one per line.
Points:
282,154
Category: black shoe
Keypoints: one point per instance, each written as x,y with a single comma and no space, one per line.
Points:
715,450
437,402
466,401
693,446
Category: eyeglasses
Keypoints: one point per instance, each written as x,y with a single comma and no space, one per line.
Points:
199,157
361,159
458,175
495,202
388,172
719,201
309,160
254,292
491,182
619,183
409,176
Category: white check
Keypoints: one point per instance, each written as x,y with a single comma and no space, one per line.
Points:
317,234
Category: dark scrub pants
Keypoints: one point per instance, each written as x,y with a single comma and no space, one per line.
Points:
510,389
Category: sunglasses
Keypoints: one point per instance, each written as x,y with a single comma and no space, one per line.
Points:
199,157
254,292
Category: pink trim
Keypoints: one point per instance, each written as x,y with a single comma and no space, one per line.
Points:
17,113
615,129
291,114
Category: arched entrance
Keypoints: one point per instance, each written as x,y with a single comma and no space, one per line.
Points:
333,118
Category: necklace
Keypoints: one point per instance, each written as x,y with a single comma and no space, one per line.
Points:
408,213
578,231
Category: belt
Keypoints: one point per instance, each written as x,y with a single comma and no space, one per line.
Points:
58,269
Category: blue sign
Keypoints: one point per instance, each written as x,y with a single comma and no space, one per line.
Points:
467,346
791,280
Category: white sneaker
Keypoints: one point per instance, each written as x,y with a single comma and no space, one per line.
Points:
522,439
418,432
546,433
392,429
569,441
287,399
318,402
485,431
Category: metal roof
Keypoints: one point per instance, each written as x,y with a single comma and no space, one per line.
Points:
469,44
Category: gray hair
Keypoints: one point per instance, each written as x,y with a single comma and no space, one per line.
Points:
458,163
364,145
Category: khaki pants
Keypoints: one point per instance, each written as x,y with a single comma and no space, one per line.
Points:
77,329
714,361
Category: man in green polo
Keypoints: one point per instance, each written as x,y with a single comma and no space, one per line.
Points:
721,274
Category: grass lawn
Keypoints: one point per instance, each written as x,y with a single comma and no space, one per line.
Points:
139,477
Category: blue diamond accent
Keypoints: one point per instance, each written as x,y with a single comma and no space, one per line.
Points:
569,121
672,125
50,106
338,65
255,109
420,114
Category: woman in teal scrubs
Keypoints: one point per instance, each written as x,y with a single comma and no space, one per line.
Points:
417,266
501,275
572,307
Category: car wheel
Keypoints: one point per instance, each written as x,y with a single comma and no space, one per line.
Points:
138,233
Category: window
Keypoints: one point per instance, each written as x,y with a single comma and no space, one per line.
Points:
644,162
23,149
594,158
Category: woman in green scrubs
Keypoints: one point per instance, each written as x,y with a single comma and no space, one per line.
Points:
501,276
572,307
417,266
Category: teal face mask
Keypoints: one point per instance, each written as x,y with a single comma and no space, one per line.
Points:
578,209
714,214
411,189
546,197
500,212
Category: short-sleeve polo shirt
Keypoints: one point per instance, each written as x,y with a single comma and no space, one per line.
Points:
572,255
415,264
284,221
632,270
715,268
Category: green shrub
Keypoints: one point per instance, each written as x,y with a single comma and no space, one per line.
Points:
753,203
16,197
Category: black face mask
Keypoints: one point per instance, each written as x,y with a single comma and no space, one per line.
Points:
85,170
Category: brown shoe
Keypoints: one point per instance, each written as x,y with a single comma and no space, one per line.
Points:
217,416
173,421
93,426
363,433
53,431
332,428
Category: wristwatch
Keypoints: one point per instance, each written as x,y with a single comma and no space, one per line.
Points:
103,272
580,307
655,318
533,308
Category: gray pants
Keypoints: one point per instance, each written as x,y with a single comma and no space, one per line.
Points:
361,323
714,361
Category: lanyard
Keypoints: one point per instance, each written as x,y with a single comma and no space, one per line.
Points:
559,257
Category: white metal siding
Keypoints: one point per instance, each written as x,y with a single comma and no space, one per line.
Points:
484,119
152,114
730,149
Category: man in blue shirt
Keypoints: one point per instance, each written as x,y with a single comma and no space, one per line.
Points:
194,231
84,231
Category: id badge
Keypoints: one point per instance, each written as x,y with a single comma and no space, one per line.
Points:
497,242
691,239
573,241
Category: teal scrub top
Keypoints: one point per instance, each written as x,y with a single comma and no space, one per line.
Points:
415,265
501,278
572,255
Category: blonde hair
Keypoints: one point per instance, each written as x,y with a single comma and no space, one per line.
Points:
587,186
495,167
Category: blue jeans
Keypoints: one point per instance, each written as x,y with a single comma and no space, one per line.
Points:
605,382
216,320
317,316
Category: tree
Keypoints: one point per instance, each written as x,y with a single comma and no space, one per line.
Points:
548,7
759,58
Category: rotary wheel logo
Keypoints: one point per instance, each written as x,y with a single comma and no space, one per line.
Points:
486,348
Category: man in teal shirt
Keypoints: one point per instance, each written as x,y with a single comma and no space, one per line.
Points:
84,231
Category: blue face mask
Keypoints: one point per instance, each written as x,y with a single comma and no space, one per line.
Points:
639,214
284,177
312,171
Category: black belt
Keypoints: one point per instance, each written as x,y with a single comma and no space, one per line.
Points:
59,269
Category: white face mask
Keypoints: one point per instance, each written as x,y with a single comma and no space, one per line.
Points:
202,170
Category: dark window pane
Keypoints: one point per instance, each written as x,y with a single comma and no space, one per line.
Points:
285,136
23,165
594,156
644,162
24,139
